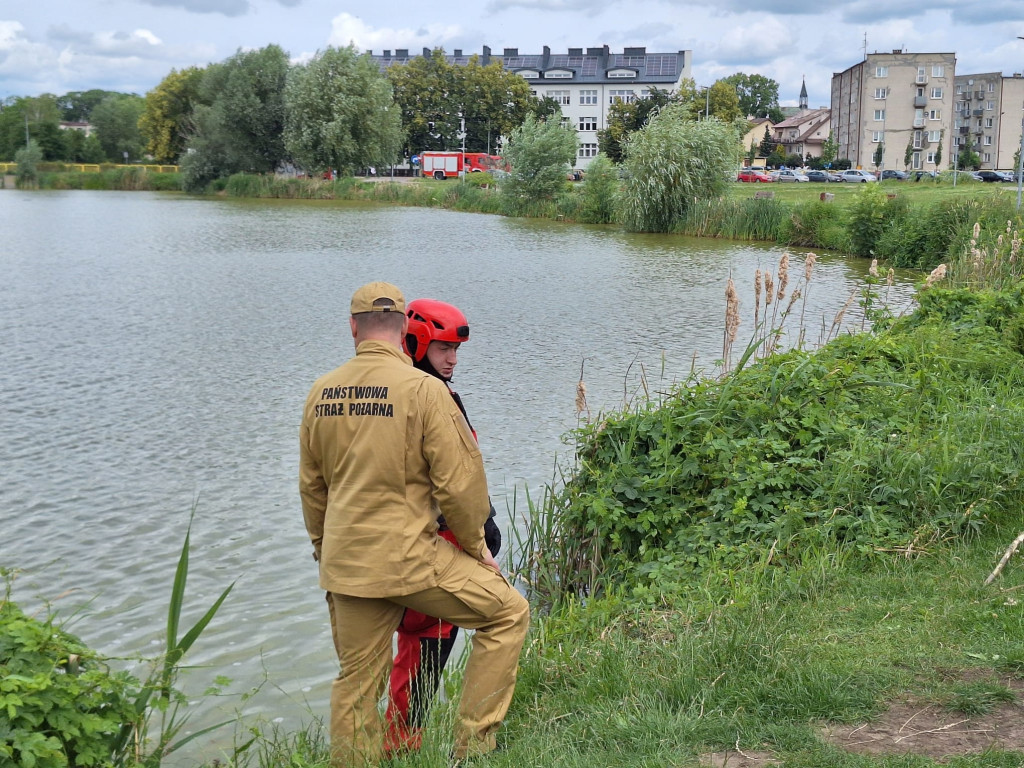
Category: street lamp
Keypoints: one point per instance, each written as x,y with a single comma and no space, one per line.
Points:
1020,156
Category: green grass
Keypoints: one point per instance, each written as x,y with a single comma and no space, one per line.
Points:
922,192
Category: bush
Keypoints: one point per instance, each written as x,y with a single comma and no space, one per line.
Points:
871,214
599,191
62,704
816,224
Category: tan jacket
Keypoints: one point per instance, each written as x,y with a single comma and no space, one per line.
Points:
384,449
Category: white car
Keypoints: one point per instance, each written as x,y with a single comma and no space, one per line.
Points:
788,174
856,175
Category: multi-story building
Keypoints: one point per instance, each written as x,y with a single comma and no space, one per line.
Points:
989,117
585,81
805,133
898,100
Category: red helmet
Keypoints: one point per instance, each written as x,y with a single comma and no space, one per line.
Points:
432,320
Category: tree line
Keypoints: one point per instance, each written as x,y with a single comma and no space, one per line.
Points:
256,112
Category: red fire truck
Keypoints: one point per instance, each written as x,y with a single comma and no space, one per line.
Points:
446,165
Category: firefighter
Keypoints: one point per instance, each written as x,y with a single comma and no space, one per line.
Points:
384,449
436,330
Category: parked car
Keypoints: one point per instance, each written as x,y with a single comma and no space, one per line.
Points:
819,176
894,175
993,176
858,176
750,175
918,175
787,174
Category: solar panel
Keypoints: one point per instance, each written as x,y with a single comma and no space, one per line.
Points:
589,66
662,64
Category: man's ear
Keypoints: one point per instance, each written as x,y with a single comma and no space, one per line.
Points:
352,325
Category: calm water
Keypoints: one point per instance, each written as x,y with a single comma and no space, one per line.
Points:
155,352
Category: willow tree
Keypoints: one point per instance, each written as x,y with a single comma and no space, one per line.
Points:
672,163
341,113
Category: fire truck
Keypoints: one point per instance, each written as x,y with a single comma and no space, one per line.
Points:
446,165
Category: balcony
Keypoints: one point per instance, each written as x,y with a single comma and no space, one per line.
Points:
919,122
979,112
964,129
920,101
979,95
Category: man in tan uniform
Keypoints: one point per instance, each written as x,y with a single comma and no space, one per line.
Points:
384,449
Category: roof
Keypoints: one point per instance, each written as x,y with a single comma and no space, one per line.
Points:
583,65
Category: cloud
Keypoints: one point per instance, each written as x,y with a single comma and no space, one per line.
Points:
225,7
346,29
141,42
750,45
497,6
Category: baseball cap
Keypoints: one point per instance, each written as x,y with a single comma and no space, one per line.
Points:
378,297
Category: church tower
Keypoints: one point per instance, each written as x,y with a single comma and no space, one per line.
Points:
803,94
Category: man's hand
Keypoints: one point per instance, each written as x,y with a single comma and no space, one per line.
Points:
489,560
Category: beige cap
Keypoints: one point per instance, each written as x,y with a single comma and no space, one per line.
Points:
377,297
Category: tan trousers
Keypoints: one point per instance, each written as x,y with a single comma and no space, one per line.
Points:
468,594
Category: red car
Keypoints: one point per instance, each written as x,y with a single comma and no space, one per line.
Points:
754,176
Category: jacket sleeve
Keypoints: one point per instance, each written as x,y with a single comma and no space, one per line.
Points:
312,490
456,467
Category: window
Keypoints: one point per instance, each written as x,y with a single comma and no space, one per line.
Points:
934,135
930,158
880,93
557,74
564,121
588,150
934,114
562,97
956,141
991,87
627,97
938,70
987,157
990,105
959,89
988,141
588,124
936,93
915,161
621,73
922,77
879,114
918,118
881,71
529,74
918,135
588,97
876,137
988,122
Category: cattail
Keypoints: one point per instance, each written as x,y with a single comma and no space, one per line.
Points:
1009,226
939,273
977,230
809,266
792,300
581,397
890,277
842,312
873,269
769,289
1015,247
732,311
757,296
783,276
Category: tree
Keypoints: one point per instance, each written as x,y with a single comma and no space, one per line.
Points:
625,118
938,150
77,106
767,142
908,153
776,157
166,120
116,120
39,118
967,158
246,112
752,152
758,96
341,113
879,154
27,158
540,153
673,162
722,102
437,99
599,190
829,151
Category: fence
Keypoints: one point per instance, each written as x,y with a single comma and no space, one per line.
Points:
88,167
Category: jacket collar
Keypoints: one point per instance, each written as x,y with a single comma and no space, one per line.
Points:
374,347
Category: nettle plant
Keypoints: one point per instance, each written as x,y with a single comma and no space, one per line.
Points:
60,704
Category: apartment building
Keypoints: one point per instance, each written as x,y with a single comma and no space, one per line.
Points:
895,100
989,117
584,81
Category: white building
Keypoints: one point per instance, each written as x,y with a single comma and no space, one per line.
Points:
584,81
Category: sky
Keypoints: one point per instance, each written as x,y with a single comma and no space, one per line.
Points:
55,47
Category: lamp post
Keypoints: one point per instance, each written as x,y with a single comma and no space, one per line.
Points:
1020,156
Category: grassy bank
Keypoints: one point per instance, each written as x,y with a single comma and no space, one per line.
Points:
129,178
